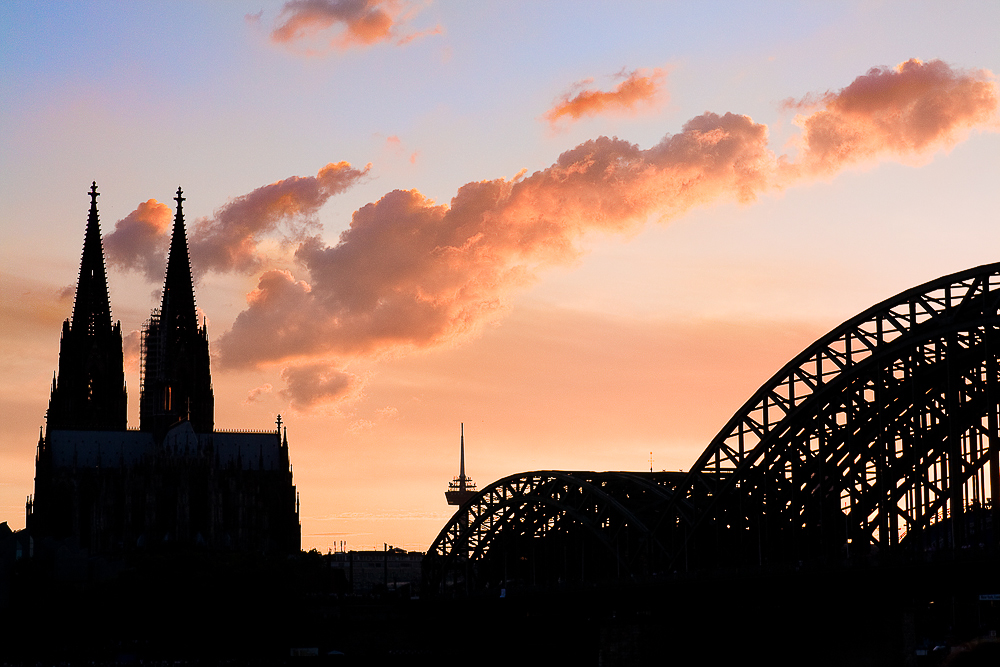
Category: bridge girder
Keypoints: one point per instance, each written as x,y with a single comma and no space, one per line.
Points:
879,438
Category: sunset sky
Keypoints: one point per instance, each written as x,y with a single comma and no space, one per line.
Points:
589,231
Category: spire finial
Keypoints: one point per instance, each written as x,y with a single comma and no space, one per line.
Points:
179,198
93,193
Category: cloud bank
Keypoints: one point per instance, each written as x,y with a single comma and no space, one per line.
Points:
640,88
412,274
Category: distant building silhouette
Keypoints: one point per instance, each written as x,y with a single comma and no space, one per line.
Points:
392,570
176,480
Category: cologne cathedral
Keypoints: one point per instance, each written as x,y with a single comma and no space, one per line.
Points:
176,482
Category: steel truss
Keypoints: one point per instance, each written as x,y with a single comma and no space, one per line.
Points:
593,523
880,438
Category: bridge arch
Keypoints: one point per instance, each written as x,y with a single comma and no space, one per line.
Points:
879,430
879,438
595,523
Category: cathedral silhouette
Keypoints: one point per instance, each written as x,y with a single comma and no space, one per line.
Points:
175,482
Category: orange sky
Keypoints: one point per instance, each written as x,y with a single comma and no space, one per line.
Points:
588,236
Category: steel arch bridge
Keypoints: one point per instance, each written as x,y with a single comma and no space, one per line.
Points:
880,440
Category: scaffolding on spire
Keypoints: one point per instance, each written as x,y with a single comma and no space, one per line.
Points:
175,360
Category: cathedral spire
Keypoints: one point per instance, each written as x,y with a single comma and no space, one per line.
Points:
177,310
89,392
92,308
177,382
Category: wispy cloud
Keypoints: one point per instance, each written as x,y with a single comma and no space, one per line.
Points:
354,23
394,146
641,88
230,239
309,384
254,394
31,306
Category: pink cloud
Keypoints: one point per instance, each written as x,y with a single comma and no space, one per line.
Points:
904,112
406,39
411,274
140,239
229,240
361,23
308,385
394,145
254,394
640,88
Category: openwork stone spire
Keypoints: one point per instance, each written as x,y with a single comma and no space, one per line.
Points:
178,309
176,379
92,309
89,392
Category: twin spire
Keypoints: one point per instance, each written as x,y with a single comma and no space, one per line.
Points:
92,308
89,392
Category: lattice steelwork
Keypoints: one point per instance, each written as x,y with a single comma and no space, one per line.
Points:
880,438
594,524
881,429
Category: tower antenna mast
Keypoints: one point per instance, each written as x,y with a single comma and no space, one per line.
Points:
462,487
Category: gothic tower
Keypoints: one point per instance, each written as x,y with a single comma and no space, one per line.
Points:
175,482
89,391
176,380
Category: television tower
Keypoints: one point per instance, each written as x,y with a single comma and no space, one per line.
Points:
461,488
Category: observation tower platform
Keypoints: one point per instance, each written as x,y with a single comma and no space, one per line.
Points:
462,488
